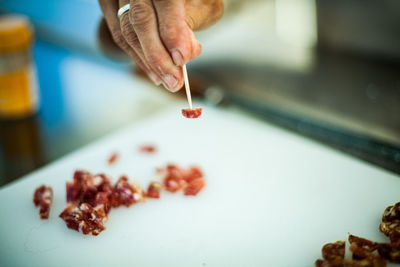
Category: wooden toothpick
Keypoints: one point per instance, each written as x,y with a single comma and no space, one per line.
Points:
187,87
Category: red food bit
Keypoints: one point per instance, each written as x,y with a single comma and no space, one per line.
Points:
84,218
104,199
361,247
127,194
367,253
43,197
153,191
173,178
71,191
74,188
91,197
334,252
85,188
113,158
92,189
391,252
390,225
192,113
194,187
364,254
370,261
192,174
173,185
148,149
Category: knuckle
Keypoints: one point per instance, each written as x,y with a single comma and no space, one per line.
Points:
118,38
154,60
125,23
158,61
128,33
141,14
133,40
125,31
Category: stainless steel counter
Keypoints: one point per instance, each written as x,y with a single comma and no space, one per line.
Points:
347,102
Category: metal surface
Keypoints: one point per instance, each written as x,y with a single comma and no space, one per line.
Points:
349,103
365,27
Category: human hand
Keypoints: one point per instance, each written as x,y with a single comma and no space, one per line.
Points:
158,34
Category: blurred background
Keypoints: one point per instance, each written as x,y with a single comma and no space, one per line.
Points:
327,70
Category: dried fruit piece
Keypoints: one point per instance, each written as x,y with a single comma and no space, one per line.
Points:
175,178
172,178
194,187
371,261
91,197
368,253
332,254
103,199
84,218
85,188
74,188
43,198
361,247
127,194
192,113
113,158
148,149
153,191
390,225
173,185
391,213
364,254
391,252
192,173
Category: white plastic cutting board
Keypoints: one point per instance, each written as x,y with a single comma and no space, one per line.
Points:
272,199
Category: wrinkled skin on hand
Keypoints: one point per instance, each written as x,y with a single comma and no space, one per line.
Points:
158,34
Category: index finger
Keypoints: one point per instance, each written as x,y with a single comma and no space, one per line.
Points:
144,21
174,32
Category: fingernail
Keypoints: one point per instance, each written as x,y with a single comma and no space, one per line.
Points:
154,78
170,82
177,57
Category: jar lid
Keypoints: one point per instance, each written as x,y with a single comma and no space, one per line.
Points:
16,33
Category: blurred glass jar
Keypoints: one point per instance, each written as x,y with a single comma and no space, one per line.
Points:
18,78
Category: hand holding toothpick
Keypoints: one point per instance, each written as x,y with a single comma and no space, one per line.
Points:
190,112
